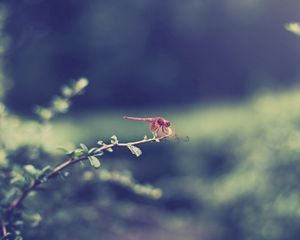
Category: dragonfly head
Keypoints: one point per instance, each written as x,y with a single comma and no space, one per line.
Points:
167,124
163,122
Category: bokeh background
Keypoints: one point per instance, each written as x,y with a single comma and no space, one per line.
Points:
225,73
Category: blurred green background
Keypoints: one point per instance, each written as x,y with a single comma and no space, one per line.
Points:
225,73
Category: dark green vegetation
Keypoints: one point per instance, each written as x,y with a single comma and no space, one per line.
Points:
142,52
237,178
203,65
21,174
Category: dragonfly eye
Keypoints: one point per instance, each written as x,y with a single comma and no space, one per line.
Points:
160,121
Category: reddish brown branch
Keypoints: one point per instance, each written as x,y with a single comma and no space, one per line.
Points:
17,202
4,230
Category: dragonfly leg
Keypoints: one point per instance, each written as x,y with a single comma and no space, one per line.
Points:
154,127
167,130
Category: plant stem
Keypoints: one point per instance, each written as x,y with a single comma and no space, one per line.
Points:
4,229
17,202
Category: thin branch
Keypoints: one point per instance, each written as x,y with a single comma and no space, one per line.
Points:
17,202
4,229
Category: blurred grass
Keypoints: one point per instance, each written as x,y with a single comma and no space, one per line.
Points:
197,121
239,171
214,121
240,165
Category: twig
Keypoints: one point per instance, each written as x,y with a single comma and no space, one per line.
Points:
17,202
4,229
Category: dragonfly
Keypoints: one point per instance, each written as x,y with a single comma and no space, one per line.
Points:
158,125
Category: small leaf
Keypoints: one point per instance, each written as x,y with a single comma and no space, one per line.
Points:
43,113
101,143
46,169
293,27
94,161
60,104
9,196
31,170
18,223
65,150
109,150
67,91
93,150
98,154
135,150
114,139
33,218
42,174
145,137
80,85
18,180
84,148
78,153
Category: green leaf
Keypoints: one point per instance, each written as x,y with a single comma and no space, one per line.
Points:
31,170
9,196
67,91
114,139
18,180
61,105
109,150
46,169
94,161
135,150
84,148
33,218
293,27
78,153
98,154
43,113
65,150
101,143
80,85
94,150
19,223
42,174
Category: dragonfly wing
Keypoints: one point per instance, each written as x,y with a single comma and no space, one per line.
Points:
163,131
167,130
154,127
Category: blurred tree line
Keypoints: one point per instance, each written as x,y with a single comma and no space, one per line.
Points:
149,52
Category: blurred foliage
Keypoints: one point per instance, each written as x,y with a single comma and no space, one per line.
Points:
22,172
293,27
238,175
197,49
4,43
